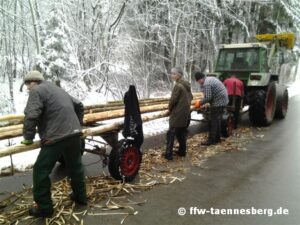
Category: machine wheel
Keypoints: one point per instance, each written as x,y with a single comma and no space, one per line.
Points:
281,103
227,124
124,161
262,105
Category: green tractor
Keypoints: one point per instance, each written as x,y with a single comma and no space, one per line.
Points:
260,67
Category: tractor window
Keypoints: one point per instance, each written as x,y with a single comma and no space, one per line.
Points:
264,60
244,59
252,59
225,59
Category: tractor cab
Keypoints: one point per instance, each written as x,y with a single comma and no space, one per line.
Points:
263,67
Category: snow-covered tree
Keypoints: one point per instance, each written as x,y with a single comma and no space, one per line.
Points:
56,60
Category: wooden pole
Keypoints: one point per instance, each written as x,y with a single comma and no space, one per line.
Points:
86,132
12,117
15,131
8,120
11,128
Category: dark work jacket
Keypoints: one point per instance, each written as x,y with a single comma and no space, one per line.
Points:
56,114
133,124
179,104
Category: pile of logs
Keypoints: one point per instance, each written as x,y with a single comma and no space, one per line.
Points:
11,125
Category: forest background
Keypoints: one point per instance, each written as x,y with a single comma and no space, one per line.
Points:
96,48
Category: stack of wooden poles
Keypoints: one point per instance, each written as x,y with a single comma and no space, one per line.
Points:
11,126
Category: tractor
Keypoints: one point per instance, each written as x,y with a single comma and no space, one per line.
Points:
262,68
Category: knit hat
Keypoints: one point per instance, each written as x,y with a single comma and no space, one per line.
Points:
33,75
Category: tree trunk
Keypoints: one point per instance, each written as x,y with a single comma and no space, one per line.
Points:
175,41
35,27
14,40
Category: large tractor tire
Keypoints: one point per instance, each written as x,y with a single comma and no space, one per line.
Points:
262,105
282,102
124,161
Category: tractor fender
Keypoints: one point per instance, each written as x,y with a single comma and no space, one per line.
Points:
259,79
282,101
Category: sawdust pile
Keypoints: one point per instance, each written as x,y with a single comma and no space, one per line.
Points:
110,197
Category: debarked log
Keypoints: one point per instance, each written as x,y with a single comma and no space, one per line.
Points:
15,119
86,132
11,128
142,102
16,131
11,134
121,106
94,117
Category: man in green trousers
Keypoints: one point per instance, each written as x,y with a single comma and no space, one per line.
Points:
57,117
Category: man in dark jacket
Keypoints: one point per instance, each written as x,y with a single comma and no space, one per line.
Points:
179,109
215,94
57,117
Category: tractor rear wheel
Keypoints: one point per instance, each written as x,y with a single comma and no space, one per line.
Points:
282,103
262,103
124,160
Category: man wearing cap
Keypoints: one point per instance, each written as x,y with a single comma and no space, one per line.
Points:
215,94
179,109
57,117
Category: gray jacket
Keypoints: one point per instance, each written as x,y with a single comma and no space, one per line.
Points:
56,114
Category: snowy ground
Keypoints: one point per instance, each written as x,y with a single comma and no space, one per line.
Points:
151,128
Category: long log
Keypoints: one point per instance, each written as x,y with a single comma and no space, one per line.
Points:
121,103
16,131
11,134
11,117
11,128
147,101
88,119
8,120
18,119
86,132
121,106
94,117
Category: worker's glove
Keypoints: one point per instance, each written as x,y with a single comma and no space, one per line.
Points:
27,142
198,104
206,106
